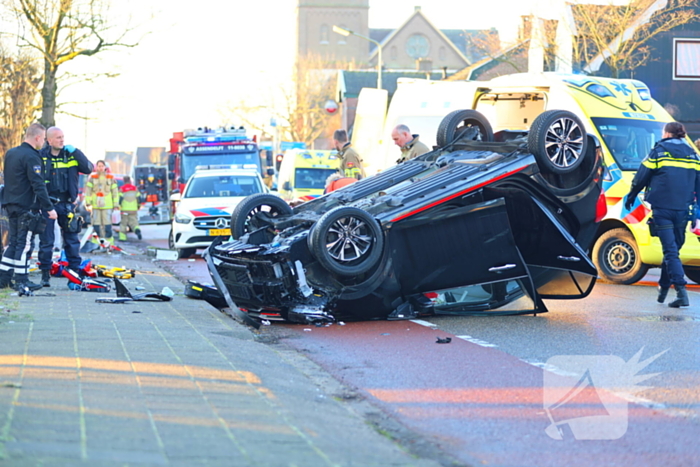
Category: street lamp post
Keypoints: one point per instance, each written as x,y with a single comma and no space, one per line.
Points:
347,32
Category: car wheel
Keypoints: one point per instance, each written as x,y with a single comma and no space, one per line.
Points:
617,257
245,218
692,273
171,240
185,252
347,241
463,124
558,141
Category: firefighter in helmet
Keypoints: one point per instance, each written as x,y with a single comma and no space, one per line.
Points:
129,202
101,197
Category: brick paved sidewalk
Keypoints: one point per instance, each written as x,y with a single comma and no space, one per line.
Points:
175,383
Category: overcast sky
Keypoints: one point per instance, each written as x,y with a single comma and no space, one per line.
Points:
201,54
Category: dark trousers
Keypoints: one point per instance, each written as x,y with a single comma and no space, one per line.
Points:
71,241
19,242
670,226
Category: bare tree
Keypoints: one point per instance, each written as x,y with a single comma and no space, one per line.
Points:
61,31
297,107
19,97
619,36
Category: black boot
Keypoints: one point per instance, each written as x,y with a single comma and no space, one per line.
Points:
45,278
681,297
5,279
22,282
663,293
138,233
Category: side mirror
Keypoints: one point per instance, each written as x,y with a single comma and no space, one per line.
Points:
171,175
180,180
286,186
270,171
175,197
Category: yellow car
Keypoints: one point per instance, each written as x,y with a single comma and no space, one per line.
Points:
628,121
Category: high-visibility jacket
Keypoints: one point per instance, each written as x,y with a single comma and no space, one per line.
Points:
350,163
101,192
62,171
130,198
670,174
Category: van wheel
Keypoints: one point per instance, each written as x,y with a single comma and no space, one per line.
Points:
255,211
617,257
558,141
465,125
692,273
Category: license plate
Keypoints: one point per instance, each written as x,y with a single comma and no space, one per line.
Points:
220,232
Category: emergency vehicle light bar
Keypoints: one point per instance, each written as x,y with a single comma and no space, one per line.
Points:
216,134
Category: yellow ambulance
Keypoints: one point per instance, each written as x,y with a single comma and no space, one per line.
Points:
623,115
303,173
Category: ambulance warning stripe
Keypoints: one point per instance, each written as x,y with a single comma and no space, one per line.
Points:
636,215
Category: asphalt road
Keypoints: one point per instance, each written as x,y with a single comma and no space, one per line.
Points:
482,396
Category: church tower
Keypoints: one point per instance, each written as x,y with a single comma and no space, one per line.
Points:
315,36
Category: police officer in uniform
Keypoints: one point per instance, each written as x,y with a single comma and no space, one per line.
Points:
62,166
350,164
671,176
24,193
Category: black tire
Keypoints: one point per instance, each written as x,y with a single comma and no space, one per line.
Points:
181,252
616,255
569,184
361,236
692,273
185,252
467,124
244,219
558,141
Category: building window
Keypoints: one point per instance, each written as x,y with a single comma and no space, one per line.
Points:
686,59
417,46
442,53
324,34
341,38
393,52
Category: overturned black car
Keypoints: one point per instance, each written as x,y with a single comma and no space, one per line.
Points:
487,224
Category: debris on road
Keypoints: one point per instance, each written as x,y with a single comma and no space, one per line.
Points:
123,295
112,272
446,340
75,282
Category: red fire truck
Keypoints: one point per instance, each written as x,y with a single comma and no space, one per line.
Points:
207,146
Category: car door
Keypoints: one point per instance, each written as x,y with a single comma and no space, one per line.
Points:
453,245
559,267
556,247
